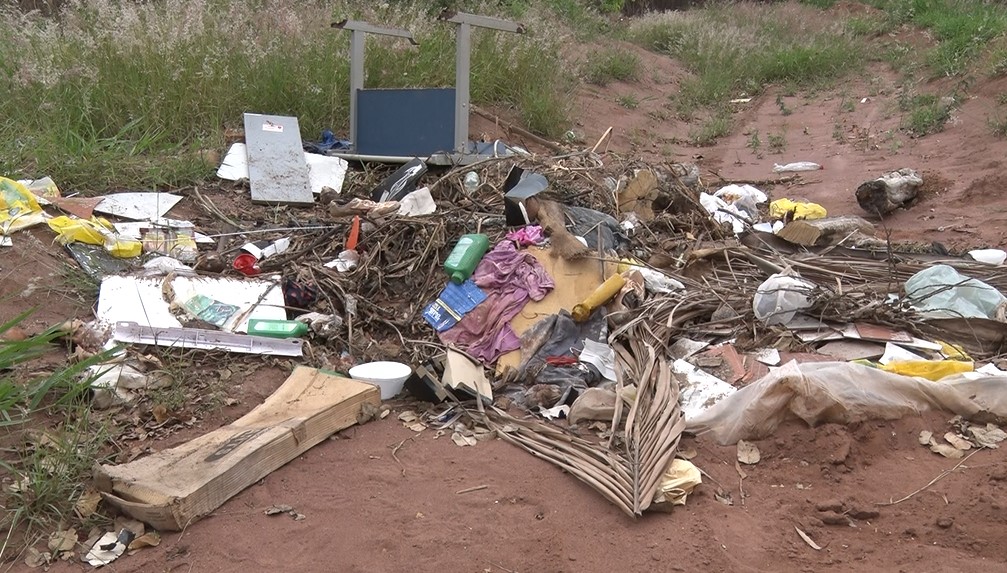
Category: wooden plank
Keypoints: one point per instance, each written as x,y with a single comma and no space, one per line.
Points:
173,488
277,170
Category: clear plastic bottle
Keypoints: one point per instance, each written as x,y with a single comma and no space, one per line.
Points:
466,256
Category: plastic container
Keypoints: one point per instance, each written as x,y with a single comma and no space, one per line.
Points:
466,255
274,328
389,377
247,264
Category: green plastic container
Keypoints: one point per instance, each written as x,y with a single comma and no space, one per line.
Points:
276,328
464,258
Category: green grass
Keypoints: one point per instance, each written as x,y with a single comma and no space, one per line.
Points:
962,28
611,65
711,130
924,114
47,473
124,94
998,125
742,48
628,101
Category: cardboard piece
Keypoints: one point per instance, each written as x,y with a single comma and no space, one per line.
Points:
142,300
173,488
323,170
80,207
575,280
137,206
460,372
639,194
852,349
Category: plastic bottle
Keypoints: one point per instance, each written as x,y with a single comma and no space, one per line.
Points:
276,328
471,182
465,256
796,166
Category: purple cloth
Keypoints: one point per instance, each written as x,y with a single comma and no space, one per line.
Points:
529,235
509,278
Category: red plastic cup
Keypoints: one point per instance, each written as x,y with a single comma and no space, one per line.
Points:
247,265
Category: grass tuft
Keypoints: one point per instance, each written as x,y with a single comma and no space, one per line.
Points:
611,65
924,114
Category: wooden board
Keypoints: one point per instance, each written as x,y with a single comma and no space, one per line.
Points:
575,280
173,488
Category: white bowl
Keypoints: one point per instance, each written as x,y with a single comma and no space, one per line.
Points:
387,376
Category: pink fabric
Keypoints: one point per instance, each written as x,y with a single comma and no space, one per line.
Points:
510,278
529,235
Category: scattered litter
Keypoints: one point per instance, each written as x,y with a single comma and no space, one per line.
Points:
779,297
462,440
988,437
109,547
958,441
794,210
143,206
346,262
796,166
592,404
149,301
173,488
678,481
277,168
989,256
323,171
700,390
768,356
417,204
889,192
748,453
942,292
807,539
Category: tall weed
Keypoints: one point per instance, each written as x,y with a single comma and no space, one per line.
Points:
115,93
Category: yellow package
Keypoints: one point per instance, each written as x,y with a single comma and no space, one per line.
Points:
18,207
72,230
930,369
778,209
96,231
953,351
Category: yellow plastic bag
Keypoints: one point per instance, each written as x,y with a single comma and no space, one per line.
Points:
930,369
96,231
778,209
18,207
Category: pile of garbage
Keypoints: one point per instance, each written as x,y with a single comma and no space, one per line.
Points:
587,310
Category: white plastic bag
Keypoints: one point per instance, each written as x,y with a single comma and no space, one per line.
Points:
943,292
842,392
780,297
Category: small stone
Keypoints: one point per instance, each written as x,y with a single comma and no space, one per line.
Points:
864,514
832,518
945,522
831,505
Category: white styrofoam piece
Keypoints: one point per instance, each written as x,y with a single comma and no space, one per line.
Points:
140,206
134,229
700,389
140,300
323,170
768,356
895,353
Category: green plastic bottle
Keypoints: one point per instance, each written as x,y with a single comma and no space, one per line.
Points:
464,258
276,328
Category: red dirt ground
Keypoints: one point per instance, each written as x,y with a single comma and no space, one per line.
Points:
364,512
